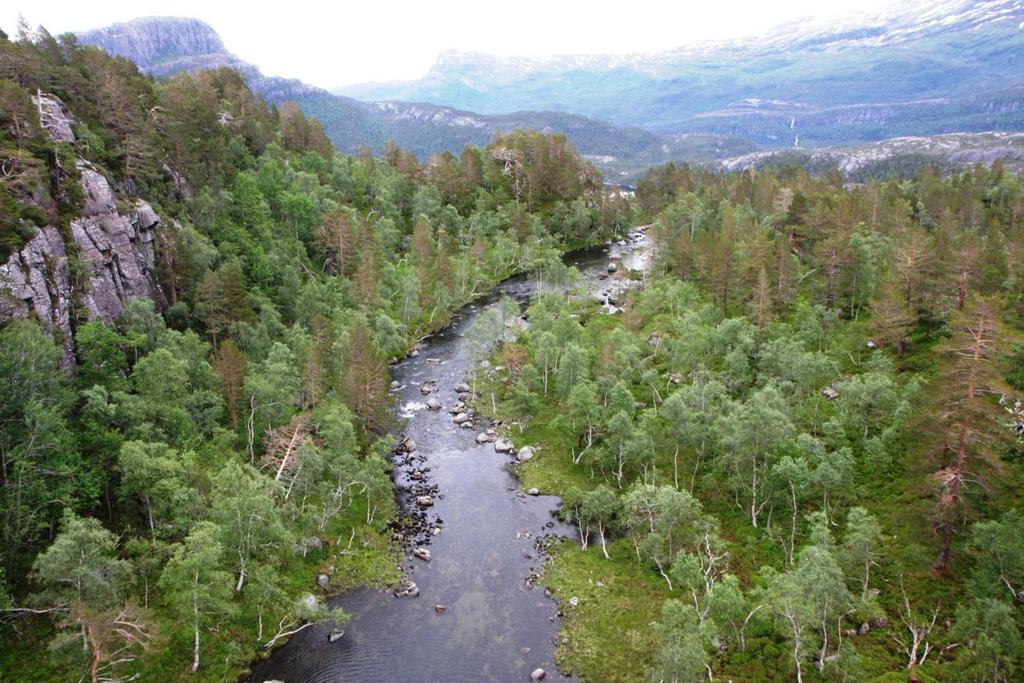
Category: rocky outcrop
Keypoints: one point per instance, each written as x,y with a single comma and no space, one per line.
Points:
117,250
35,281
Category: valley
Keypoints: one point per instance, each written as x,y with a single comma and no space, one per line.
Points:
682,366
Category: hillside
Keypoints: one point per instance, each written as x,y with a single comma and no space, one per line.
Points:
920,68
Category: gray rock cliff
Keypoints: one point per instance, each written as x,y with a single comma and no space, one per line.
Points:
118,250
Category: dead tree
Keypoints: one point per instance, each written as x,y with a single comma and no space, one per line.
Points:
281,450
972,422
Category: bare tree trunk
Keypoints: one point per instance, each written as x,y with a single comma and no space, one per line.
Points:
195,621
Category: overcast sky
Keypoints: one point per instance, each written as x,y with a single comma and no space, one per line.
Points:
375,40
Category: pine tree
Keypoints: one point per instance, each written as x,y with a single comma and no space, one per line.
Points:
335,236
230,368
971,422
364,382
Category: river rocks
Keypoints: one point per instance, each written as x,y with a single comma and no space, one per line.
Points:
395,385
533,492
335,635
612,267
484,437
440,609
462,388
435,531
422,553
538,674
424,501
502,446
408,589
462,418
323,581
414,353
525,453
409,445
426,389
433,403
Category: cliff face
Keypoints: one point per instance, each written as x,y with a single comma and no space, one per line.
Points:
164,46
117,250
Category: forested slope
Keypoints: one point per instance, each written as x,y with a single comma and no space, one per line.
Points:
796,453
182,486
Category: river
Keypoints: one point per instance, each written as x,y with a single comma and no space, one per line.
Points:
478,616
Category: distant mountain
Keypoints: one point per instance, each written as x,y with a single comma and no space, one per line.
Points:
163,46
919,68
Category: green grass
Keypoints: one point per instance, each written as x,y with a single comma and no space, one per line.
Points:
608,636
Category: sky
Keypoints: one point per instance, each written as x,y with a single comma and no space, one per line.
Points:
344,42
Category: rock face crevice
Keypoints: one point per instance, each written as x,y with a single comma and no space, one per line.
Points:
117,249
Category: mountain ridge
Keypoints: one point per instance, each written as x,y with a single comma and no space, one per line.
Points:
914,60
163,46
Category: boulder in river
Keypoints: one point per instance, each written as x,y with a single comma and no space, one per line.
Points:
533,492
612,267
335,635
433,403
426,389
422,553
484,437
538,674
462,388
408,589
440,609
502,446
424,501
409,445
462,418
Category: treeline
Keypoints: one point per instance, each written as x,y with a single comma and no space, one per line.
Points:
169,504
804,426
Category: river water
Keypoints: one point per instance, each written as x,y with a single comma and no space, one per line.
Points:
478,616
